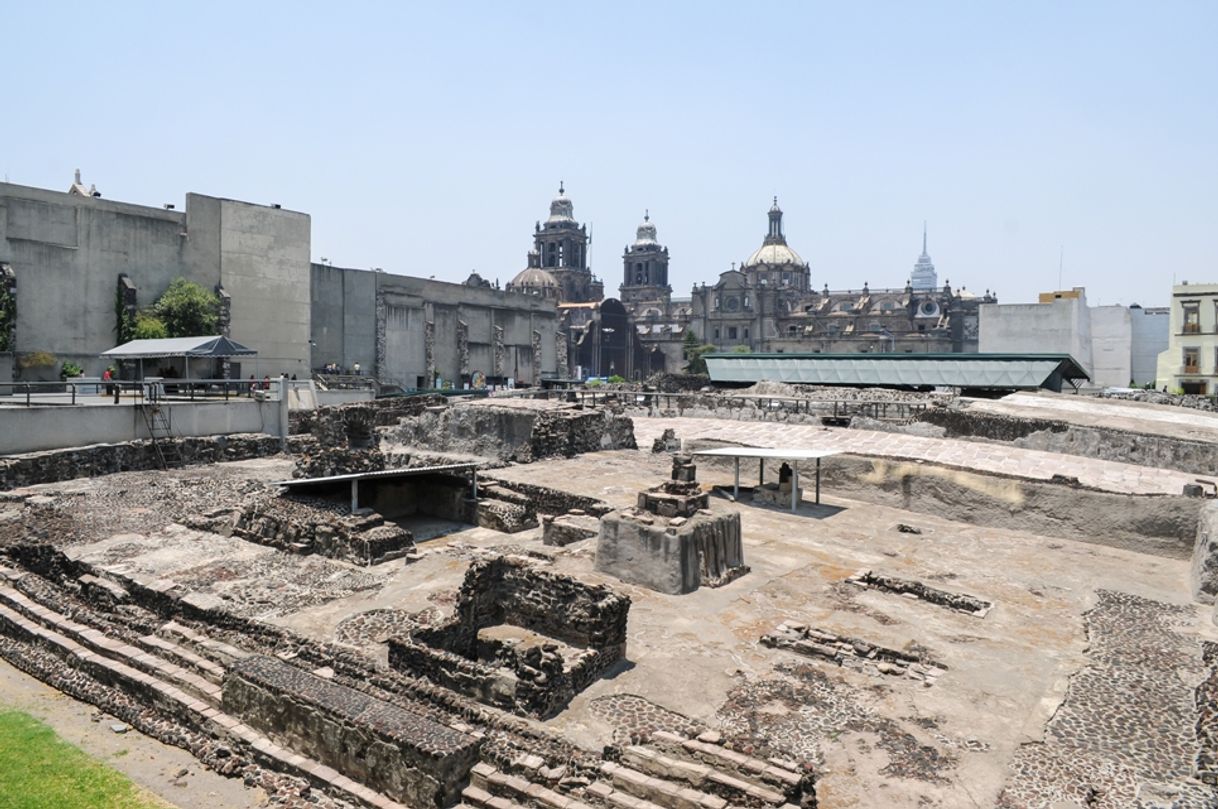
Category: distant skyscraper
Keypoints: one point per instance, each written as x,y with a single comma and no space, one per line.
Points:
924,275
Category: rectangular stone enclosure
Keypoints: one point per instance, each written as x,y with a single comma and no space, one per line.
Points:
583,629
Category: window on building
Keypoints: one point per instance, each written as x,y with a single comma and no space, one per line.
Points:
746,334
1192,317
793,331
786,277
731,333
1192,360
716,333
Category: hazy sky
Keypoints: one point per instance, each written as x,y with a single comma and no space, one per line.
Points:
427,139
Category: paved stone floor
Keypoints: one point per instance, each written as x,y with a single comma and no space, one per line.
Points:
986,457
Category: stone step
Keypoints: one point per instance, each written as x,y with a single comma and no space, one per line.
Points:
481,799
176,702
615,798
214,650
701,776
514,789
779,777
96,641
657,790
213,672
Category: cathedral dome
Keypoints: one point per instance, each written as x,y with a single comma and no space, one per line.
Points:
561,208
534,278
773,255
774,251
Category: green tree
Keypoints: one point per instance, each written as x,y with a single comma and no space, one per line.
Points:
742,350
188,310
694,350
148,327
124,321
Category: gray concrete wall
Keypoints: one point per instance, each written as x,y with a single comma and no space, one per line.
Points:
1150,337
1111,346
68,251
1061,327
264,266
30,429
344,326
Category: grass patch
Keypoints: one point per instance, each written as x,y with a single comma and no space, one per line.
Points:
38,770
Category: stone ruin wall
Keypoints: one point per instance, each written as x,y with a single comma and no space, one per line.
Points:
503,590
404,755
518,434
51,466
1158,451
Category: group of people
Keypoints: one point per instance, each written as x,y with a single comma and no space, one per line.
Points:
265,384
336,369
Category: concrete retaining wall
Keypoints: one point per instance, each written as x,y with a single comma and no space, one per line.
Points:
32,429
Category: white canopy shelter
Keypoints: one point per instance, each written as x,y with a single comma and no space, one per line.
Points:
792,454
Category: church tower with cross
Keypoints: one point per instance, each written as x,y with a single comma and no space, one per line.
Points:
645,272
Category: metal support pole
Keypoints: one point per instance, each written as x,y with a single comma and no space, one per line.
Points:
354,495
760,472
736,488
473,474
818,481
795,488
73,386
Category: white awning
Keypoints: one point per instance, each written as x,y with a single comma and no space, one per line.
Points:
775,453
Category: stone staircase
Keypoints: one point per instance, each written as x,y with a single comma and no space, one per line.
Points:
173,679
670,771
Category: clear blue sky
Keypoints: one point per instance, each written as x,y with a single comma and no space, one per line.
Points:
427,139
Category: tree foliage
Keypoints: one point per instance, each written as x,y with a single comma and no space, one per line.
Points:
694,351
8,316
188,310
124,319
148,327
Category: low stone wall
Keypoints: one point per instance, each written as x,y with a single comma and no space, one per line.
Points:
51,466
567,528
331,420
1160,452
538,682
406,756
674,556
518,431
306,526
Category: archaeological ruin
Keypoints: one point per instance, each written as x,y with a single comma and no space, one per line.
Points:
548,600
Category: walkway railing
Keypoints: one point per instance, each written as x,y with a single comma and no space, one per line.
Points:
75,392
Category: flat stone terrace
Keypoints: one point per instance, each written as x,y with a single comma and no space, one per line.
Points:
1113,414
983,457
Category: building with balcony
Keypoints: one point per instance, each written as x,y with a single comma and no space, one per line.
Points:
1190,363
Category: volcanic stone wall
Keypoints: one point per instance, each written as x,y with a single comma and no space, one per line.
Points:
51,466
305,526
538,682
404,755
515,432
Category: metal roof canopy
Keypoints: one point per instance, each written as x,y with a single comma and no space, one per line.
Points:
404,472
795,454
213,346
979,371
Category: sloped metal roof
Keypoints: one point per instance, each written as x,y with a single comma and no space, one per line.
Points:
212,346
994,371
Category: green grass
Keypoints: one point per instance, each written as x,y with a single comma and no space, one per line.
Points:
38,770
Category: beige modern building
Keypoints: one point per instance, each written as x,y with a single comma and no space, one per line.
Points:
1190,363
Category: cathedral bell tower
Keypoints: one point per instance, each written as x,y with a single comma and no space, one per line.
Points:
645,271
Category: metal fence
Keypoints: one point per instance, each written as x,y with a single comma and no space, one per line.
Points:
92,391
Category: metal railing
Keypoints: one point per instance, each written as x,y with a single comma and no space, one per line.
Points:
68,393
